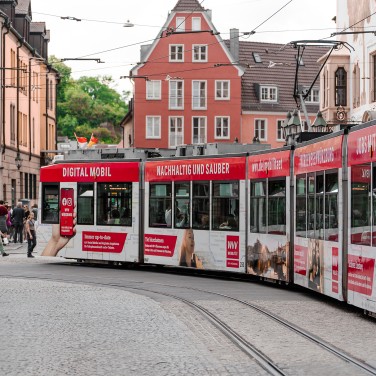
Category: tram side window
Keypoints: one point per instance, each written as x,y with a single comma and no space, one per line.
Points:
319,208
225,206
182,205
311,215
85,203
277,206
361,204
160,205
114,204
331,207
301,206
50,199
258,207
200,205
373,205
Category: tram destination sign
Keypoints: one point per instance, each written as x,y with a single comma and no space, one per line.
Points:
196,169
91,172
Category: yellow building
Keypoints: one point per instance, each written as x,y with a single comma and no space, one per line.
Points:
27,101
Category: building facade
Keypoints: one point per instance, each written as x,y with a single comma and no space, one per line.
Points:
348,81
194,87
28,107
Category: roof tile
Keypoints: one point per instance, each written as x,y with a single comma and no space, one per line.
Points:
190,5
277,68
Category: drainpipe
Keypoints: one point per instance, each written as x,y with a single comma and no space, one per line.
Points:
20,41
57,83
47,101
7,26
29,94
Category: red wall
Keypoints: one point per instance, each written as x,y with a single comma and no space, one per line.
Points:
158,67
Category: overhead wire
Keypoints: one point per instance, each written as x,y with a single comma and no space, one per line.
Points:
152,40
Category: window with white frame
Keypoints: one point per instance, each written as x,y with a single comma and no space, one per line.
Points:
176,131
260,129
176,95
180,24
222,90
199,95
268,94
176,53
200,53
222,127
313,96
280,132
153,90
196,24
153,127
199,130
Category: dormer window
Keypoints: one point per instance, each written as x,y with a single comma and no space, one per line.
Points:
256,57
268,93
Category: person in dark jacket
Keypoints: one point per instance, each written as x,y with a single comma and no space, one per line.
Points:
18,222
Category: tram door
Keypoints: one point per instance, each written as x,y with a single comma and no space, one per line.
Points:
268,215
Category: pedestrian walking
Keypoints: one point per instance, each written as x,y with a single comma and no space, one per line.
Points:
2,251
10,224
3,226
34,209
18,222
30,234
26,216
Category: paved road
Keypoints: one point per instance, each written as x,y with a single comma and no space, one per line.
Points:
53,327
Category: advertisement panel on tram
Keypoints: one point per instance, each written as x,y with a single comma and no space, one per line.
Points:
361,280
318,216
195,211
269,213
106,211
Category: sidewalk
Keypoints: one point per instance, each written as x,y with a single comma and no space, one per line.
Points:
16,248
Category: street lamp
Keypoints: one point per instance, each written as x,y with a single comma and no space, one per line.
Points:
284,125
294,126
18,160
319,125
128,24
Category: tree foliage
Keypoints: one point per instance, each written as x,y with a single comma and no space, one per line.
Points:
88,105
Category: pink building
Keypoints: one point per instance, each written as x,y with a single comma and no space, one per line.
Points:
193,87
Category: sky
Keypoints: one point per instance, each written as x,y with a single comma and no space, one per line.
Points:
101,27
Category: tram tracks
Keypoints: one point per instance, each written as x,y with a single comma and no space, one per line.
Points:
227,330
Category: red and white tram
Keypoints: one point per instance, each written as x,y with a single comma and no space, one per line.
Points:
304,214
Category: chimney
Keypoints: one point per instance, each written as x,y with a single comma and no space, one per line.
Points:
234,43
144,51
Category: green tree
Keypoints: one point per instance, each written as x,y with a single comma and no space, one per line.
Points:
84,104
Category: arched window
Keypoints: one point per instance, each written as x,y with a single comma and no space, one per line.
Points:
341,87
